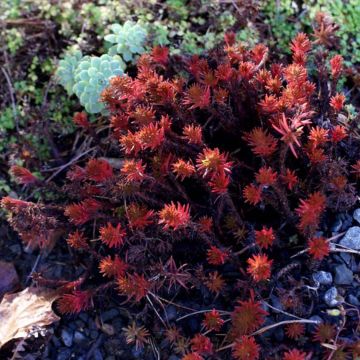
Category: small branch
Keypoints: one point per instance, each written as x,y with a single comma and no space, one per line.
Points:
200,312
266,328
12,97
327,240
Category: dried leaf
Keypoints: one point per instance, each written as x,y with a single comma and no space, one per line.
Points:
25,312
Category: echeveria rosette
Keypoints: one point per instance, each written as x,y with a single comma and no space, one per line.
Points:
128,39
92,76
66,70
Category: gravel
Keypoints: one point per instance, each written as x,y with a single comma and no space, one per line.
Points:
67,337
323,278
356,215
343,275
352,238
330,297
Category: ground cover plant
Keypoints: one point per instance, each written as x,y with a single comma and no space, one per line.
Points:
212,178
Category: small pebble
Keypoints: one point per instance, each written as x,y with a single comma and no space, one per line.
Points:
67,337
63,354
171,312
84,317
98,355
353,300
79,337
343,275
94,334
109,315
336,226
323,277
356,215
352,238
330,297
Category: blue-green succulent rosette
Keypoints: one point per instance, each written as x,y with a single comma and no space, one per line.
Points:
128,40
92,76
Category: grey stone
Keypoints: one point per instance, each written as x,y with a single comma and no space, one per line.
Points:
16,248
279,335
352,238
353,300
137,353
347,221
94,334
79,323
84,317
118,324
336,226
330,297
67,337
171,312
356,215
79,337
343,275
109,315
311,327
64,354
275,301
174,357
98,355
323,277
56,341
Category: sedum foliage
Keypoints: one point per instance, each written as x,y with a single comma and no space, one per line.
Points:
128,40
92,75
87,76
66,69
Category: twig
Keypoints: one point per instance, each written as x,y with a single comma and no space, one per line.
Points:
327,240
156,312
12,97
200,312
266,328
281,311
33,268
73,160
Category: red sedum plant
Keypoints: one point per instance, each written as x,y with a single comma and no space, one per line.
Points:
223,158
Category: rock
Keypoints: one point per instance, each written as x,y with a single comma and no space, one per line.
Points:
356,215
138,353
171,312
279,335
79,337
322,277
275,302
330,297
343,275
118,324
84,317
9,279
67,337
16,248
109,315
336,226
194,324
98,355
352,238
94,334
174,357
353,300
63,354
311,327
56,341
347,221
